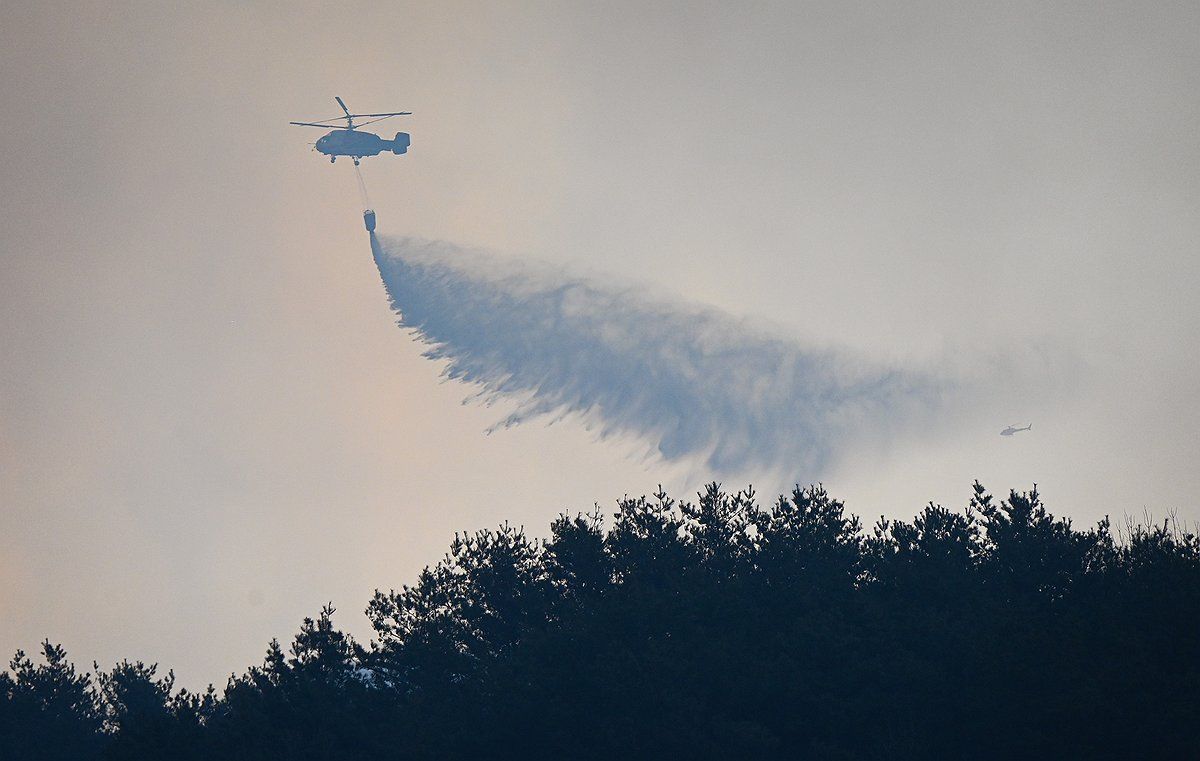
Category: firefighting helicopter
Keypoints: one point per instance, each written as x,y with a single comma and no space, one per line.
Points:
351,141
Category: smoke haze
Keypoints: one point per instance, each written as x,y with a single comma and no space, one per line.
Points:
202,390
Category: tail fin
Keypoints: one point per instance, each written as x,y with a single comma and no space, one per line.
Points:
401,143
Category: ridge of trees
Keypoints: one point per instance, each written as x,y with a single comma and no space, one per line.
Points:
717,628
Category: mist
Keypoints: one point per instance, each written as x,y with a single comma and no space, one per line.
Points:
688,381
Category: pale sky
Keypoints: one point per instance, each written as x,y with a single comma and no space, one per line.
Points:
210,425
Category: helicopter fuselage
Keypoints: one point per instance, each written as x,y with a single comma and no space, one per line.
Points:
357,144
353,142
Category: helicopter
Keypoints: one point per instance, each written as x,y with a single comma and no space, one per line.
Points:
1009,431
350,141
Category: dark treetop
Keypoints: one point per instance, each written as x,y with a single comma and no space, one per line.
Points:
707,629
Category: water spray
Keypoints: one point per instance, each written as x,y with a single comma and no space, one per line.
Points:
691,382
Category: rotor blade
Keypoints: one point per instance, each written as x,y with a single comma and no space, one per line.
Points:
343,105
394,113
333,119
372,121
329,119
311,124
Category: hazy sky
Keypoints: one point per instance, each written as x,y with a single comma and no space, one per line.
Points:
210,424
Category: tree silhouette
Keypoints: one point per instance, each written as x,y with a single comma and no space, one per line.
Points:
48,710
712,628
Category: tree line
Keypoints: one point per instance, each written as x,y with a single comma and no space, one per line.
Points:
712,628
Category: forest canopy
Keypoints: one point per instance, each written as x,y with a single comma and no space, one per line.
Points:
713,628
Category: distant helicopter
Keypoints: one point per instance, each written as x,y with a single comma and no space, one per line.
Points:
1009,431
349,141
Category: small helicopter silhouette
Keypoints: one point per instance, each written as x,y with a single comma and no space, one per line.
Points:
350,141
1009,431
